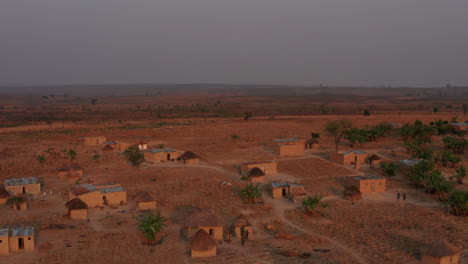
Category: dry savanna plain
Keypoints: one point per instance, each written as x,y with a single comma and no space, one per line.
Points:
209,121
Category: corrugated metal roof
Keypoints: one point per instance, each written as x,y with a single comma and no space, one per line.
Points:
110,142
411,162
460,124
166,150
279,184
83,188
22,231
284,140
4,232
367,177
353,151
21,181
113,189
291,184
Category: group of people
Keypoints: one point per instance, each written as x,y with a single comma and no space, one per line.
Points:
398,196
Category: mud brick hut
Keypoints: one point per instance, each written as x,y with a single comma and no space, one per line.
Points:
16,239
189,158
312,143
122,146
146,201
290,146
99,195
256,175
368,183
23,185
202,245
352,193
440,252
94,140
351,157
374,160
70,172
21,206
205,219
242,224
77,209
296,193
162,155
268,167
142,145
279,189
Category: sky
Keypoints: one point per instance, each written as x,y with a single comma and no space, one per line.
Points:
295,42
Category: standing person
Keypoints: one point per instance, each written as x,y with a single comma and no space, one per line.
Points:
398,196
404,196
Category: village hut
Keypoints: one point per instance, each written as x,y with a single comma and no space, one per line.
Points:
77,209
99,195
256,175
352,193
312,143
296,193
20,205
351,157
205,219
16,239
4,195
189,158
146,201
70,171
290,146
94,140
23,185
368,183
202,245
374,160
440,252
240,225
108,148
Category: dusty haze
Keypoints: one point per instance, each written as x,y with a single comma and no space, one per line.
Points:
297,42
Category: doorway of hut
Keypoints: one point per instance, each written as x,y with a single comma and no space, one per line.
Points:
24,189
104,200
168,156
284,192
21,243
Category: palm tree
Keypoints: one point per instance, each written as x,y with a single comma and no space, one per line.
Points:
251,193
310,203
150,225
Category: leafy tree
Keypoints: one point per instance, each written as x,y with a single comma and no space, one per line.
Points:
435,109
461,173
389,168
251,193
355,135
455,144
134,155
337,128
72,154
150,225
41,159
458,202
310,203
247,115
315,135
93,101
366,112
420,172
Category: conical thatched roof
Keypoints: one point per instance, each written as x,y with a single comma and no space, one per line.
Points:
76,204
241,220
108,147
4,193
203,217
69,167
145,197
440,249
255,172
374,157
189,155
202,241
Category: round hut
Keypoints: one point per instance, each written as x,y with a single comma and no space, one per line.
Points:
242,224
146,201
189,158
440,252
202,245
352,193
374,160
77,209
256,175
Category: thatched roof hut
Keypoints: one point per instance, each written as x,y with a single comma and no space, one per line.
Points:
203,217
145,197
108,148
352,193
373,157
255,172
69,167
189,155
440,248
241,221
76,204
202,241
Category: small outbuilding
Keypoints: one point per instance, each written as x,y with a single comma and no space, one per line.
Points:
440,252
99,195
351,157
256,175
146,201
4,195
16,239
70,172
77,209
297,193
202,245
268,167
205,219
460,126
241,225
290,146
368,183
189,158
20,203
94,140
352,193
312,143
23,185
162,155
374,160
122,146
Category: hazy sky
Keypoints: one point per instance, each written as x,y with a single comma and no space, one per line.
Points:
305,42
